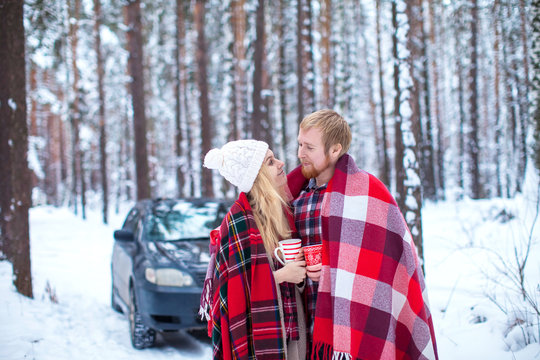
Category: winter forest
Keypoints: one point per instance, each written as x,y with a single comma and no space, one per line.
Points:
104,102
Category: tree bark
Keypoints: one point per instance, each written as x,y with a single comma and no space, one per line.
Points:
15,200
497,96
308,63
282,79
206,121
299,61
386,170
178,97
398,135
135,65
75,113
535,65
472,138
326,54
426,150
435,43
417,68
239,92
261,127
102,129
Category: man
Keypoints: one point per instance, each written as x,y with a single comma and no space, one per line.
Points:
366,301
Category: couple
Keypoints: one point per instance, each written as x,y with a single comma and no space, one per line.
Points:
366,301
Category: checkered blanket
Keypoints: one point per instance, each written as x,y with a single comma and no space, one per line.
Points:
245,309
371,302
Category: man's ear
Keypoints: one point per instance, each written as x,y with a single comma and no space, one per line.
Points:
335,151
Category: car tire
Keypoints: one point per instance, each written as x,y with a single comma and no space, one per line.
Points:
142,336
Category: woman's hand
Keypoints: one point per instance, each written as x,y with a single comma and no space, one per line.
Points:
293,272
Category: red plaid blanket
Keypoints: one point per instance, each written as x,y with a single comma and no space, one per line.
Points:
371,302
245,310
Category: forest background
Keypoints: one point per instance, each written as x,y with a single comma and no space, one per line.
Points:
105,102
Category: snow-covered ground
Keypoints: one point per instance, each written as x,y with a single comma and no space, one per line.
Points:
467,244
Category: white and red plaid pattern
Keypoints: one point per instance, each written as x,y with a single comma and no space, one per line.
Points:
371,302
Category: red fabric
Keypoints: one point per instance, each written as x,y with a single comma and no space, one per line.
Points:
245,315
371,302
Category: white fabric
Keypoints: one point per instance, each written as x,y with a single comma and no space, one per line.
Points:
238,161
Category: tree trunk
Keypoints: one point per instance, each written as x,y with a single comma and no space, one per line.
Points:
75,113
178,97
135,65
426,151
239,92
535,64
52,168
261,127
386,174
497,96
461,105
435,42
524,99
282,80
473,145
416,43
326,54
15,175
102,130
206,121
398,136
299,61
308,63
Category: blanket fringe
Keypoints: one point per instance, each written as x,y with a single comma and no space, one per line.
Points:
322,351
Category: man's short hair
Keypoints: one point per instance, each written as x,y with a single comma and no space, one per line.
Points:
334,128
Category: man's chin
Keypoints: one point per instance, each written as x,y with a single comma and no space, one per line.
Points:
310,172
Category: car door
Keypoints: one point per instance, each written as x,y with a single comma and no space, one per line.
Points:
123,253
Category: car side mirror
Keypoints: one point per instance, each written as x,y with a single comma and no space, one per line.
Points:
123,235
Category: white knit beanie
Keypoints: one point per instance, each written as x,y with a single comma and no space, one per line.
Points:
238,161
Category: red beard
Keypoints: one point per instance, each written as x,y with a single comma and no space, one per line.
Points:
311,173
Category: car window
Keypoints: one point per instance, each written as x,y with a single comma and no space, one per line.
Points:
182,220
131,220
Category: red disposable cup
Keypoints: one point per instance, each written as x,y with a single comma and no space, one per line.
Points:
313,254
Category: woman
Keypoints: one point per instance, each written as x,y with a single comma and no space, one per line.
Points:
255,309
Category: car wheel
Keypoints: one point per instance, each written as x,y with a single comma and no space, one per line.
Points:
142,336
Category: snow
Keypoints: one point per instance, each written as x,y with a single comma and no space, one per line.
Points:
73,256
464,244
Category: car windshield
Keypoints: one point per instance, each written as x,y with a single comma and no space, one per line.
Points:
183,220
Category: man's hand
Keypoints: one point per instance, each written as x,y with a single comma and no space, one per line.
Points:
314,272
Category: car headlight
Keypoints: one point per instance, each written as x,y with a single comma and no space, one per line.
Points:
168,277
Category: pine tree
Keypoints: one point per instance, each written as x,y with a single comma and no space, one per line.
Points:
15,176
202,80
535,64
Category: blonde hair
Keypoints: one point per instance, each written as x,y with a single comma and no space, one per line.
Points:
269,206
334,128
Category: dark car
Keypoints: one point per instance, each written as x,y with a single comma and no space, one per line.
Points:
159,263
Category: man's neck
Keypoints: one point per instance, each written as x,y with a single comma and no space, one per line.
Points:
325,176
